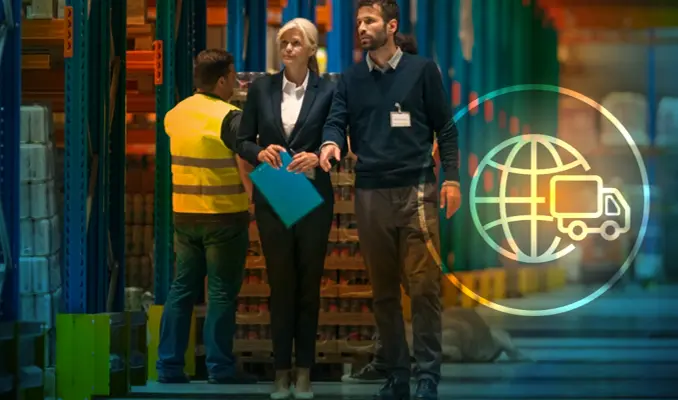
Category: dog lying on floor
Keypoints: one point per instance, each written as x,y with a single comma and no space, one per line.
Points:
468,339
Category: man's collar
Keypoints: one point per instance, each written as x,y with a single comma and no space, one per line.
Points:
392,63
290,87
210,94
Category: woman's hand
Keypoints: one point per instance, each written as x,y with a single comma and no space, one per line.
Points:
271,155
303,162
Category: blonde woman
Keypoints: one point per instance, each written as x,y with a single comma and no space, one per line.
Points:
287,112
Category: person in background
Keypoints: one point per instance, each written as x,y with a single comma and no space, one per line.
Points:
407,43
211,195
393,103
376,371
287,111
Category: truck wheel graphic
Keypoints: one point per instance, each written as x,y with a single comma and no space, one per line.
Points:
610,230
577,230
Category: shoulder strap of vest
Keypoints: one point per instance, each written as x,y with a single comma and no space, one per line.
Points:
213,101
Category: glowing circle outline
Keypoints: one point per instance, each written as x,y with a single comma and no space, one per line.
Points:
646,203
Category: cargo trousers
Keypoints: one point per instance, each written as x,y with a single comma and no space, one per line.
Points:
218,252
398,232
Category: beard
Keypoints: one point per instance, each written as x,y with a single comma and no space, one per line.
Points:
375,42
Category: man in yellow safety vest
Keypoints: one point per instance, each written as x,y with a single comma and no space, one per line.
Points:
211,196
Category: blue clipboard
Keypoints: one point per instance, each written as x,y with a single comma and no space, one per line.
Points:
292,196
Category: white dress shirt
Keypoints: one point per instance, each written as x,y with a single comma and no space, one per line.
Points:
292,99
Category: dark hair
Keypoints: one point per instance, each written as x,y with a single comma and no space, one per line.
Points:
210,65
389,8
407,43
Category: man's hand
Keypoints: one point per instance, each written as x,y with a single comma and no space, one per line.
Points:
450,198
302,162
328,152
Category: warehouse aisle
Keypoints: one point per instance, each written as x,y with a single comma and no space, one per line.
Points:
624,345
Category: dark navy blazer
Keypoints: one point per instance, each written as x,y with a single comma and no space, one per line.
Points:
262,117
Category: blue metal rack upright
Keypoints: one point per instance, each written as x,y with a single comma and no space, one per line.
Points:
98,129
423,28
235,32
255,56
185,48
164,48
405,12
247,42
77,108
299,9
93,232
200,24
10,123
340,38
118,156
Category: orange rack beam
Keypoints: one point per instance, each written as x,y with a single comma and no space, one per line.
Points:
217,11
140,60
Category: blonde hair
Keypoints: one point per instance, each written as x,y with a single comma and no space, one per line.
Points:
309,33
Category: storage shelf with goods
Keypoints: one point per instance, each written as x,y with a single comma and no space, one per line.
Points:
40,224
139,212
43,36
348,319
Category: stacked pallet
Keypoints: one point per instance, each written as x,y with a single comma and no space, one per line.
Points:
40,227
139,213
348,315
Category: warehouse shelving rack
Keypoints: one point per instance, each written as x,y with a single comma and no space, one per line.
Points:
10,123
15,336
94,79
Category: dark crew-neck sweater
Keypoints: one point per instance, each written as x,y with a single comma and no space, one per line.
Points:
394,156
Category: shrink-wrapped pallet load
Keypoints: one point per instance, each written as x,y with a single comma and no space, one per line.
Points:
40,223
631,110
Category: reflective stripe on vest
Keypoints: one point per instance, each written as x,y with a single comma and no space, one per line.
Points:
208,190
204,162
205,177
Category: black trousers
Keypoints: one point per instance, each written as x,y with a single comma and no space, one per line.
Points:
295,260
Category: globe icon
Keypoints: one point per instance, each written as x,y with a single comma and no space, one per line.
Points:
529,148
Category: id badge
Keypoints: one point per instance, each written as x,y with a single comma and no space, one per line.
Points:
400,120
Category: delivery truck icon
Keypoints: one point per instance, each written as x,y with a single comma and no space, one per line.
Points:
606,213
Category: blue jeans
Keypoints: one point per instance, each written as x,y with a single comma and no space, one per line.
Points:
220,253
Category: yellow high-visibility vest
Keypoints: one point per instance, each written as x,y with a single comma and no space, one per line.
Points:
205,174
